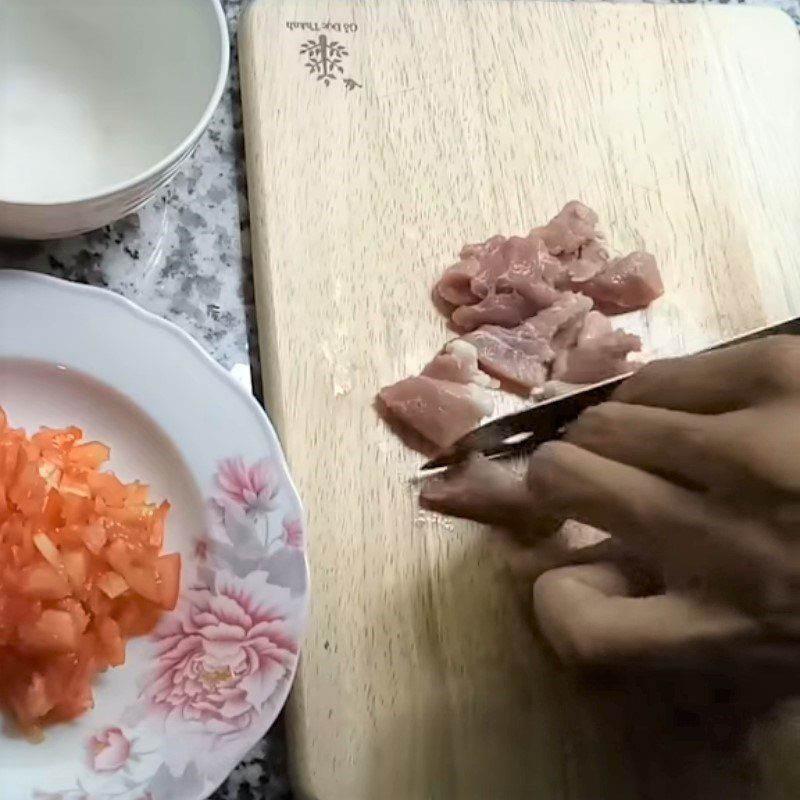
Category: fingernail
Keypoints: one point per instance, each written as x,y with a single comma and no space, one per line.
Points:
433,487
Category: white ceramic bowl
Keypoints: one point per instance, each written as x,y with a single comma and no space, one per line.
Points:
101,101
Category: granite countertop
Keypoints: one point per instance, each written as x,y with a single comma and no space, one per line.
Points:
186,257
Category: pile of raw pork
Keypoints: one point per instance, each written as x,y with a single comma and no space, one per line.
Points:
528,310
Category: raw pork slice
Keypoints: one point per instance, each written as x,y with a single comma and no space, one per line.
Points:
508,309
473,277
503,281
443,403
523,305
579,267
458,362
598,353
532,271
454,286
520,356
625,284
569,230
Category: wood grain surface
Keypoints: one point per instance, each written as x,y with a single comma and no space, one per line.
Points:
421,677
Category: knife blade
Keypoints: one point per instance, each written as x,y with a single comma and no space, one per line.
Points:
521,432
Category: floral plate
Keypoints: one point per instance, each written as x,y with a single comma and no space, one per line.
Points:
207,684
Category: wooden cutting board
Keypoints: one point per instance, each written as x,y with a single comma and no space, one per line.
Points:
380,137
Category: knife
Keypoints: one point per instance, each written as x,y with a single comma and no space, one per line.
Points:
521,432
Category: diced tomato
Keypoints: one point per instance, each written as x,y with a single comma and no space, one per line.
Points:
98,603
34,701
94,537
44,544
157,530
74,483
111,584
169,578
136,617
80,571
76,567
54,632
136,494
77,508
42,582
53,510
107,487
89,455
111,641
75,610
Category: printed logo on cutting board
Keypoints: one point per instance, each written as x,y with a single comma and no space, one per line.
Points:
325,57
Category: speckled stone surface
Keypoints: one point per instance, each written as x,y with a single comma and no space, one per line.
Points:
186,257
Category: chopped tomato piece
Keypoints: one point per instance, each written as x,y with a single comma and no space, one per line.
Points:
76,567
42,582
136,617
90,455
112,584
54,632
169,578
81,571
111,641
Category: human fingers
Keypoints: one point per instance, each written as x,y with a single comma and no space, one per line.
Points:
753,450
642,509
686,532
589,618
486,492
673,444
528,562
722,380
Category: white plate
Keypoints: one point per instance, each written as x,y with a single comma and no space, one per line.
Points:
197,694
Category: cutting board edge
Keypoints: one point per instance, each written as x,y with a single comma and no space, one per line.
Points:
300,769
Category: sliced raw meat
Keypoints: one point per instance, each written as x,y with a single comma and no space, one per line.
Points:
570,229
454,286
508,310
443,403
532,272
598,360
482,249
494,262
594,326
568,308
625,284
599,352
524,306
473,277
440,411
579,267
513,357
501,265
458,362
520,356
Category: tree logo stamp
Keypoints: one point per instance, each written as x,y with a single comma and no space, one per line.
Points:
325,58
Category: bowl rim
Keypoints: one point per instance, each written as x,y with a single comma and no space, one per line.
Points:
187,143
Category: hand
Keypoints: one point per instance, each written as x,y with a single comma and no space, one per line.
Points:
694,469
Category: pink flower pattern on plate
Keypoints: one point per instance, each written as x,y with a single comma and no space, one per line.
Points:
293,533
109,750
225,657
222,663
254,488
